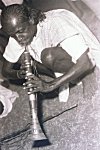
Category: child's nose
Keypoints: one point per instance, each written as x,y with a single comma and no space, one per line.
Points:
20,37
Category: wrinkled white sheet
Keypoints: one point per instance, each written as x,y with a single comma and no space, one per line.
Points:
7,97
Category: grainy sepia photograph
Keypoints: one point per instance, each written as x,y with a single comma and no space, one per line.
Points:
49,74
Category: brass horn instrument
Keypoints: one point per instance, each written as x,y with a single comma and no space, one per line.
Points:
39,137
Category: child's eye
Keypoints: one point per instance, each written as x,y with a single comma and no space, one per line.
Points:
20,31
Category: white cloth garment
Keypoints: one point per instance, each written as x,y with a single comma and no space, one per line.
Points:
60,27
7,97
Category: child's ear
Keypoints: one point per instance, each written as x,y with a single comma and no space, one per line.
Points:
31,20
34,16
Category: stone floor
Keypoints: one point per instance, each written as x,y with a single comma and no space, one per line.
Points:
71,129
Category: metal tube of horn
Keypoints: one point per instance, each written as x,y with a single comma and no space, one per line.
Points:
39,137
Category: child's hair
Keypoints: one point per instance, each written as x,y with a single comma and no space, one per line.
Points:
2,5
22,13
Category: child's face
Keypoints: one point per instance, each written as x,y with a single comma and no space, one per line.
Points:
24,33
